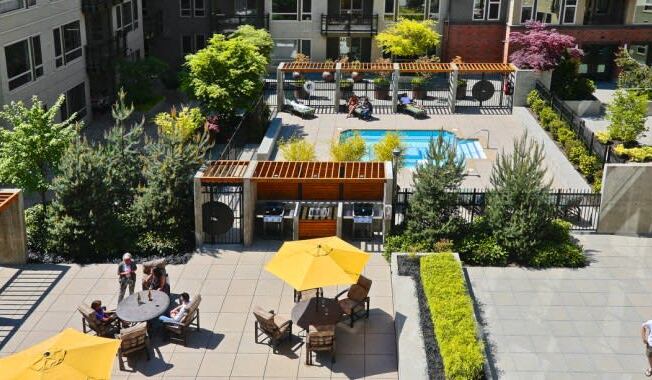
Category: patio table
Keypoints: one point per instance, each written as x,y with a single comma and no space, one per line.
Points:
130,310
316,311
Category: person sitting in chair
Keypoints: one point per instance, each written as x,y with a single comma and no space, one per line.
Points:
158,280
101,315
353,103
367,108
178,313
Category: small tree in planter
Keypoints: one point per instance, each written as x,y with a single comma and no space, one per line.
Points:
541,48
352,149
299,91
419,90
328,76
409,38
381,83
627,114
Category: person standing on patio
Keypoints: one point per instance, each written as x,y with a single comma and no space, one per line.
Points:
646,335
126,275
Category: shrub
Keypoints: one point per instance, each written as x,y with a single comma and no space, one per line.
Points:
138,77
183,123
534,100
568,84
403,243
451,310
444,245
564,134
541,48
409,38
559,249
638,154
384,149
627,114
381,82
481,249
603,137
37,233
597,183
547,116
297,149
518,207
588,165
555,126
575,150
351,149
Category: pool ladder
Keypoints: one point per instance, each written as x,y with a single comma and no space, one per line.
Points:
488,136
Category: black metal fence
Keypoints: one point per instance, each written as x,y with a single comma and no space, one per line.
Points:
603,152
222,213
433,95
485,92
579,207
250,128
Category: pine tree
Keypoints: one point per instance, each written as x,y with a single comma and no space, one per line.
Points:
433,207
518,207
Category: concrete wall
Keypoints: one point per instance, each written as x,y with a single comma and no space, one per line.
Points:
525,82
626,206
40,20
13,238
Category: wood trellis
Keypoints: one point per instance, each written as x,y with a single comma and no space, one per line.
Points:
414,67
7,198
225,171
302,171
367,67
500,68
308,67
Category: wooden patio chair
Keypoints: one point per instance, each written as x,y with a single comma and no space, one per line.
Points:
275,327
356,303
133,339
308,294
90,323
179,331
149,266
320,338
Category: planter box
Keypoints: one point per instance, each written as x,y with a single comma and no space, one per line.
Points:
584,107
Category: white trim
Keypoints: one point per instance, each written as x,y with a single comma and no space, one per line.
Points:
488,7
32,68
562,19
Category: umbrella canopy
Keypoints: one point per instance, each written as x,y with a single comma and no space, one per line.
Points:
67,355
316,263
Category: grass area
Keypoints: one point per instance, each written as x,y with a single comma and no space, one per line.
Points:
452,315
148,105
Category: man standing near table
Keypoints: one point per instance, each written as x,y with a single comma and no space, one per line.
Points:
126,275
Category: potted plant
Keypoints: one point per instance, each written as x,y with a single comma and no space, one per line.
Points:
381,88
328,76
418,88
299,91
346,88
461,89
356,76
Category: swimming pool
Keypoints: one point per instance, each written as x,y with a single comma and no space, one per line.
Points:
417,142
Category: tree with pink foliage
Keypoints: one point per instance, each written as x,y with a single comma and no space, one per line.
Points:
541,48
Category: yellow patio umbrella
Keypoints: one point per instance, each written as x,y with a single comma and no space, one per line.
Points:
68,355
316,263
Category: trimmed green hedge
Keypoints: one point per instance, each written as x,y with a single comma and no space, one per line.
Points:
451,310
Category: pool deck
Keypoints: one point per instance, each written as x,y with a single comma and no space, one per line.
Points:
495,133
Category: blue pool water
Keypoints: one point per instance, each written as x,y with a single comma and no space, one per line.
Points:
417,142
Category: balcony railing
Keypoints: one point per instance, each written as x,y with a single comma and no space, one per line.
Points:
349,24
92,6
103,55
228,23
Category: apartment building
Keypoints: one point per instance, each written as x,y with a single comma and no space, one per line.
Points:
66,47
42,53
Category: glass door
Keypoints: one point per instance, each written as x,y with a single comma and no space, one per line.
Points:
351,7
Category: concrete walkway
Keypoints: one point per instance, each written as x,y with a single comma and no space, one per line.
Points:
38,301
570,324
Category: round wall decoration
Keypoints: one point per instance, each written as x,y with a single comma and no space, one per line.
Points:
218,218
483,90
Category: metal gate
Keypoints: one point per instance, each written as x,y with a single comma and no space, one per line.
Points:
485,92
222,213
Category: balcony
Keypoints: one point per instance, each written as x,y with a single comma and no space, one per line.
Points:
228,23
93,6
349,24
103,55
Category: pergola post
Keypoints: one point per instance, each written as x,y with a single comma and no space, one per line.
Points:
396,76
249,198
453,86
338,93
280,95
198,208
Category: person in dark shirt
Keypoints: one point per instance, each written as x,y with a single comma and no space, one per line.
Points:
126,275
158,280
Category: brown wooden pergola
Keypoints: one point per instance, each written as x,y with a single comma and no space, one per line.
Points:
308,67
310,171
8,197
489,68
435,67
225,171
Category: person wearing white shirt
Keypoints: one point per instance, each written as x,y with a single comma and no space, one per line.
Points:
178,313
646,335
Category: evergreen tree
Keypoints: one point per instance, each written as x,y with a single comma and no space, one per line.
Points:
433,207
163,209
82,220
518,207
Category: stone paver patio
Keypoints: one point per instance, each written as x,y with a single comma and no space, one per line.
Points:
570,324
231,282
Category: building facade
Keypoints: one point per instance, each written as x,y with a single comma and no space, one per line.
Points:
67,47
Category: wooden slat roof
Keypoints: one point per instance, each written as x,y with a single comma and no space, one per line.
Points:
7,197
309,171
362,67
413,67
308,67
485,67
224,171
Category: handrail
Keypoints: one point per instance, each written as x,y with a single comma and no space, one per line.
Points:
349,23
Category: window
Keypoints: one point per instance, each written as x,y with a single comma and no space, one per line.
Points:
413,9
527,11
24,61
200,8
493,13
569,11
647,7
292,10
478,9
186,44
135,13
286,50
639,53
200,41
75,102
434,9
123,16
350,6
306,10
67,43
643,12
185,8
12,5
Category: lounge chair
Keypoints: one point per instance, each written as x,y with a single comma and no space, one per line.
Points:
320,338
275,327
179,331
356,303
307,294
90,323
408,106
133,339
299,108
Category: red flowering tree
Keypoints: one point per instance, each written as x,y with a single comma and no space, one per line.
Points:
541,48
